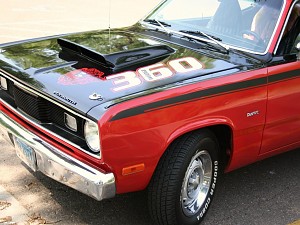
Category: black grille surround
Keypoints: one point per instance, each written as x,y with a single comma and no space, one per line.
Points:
46,113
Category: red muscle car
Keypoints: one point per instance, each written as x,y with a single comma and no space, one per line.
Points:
194,89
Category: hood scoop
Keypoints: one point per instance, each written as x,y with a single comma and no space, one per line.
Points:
117,61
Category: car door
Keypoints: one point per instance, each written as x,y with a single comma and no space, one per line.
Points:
282,127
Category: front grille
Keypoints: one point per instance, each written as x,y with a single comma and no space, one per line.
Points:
43,111
34,106
47,114
10,86
57,114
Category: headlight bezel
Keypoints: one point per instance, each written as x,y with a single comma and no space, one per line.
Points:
92,136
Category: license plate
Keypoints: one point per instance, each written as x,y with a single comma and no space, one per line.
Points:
25,153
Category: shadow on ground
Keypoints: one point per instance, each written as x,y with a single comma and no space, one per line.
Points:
266,192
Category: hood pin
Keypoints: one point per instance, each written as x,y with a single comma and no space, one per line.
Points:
95,96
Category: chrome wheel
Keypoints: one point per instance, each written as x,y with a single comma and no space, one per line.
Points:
183,185
196,183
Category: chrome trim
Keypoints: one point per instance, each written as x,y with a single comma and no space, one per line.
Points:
60,166
27,91
23,116
284,26
86,139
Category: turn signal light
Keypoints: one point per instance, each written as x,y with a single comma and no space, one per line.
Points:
133,169
3,83
70,122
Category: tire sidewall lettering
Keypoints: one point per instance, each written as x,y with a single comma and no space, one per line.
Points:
211,192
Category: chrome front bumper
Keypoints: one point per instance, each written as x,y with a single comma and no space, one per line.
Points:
58,165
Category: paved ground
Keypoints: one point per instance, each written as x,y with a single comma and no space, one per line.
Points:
36,18
266,193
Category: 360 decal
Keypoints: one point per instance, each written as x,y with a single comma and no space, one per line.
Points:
156,72
129,79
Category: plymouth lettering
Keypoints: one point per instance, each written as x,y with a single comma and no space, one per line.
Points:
64,98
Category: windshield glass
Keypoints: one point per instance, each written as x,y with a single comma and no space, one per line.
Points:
241,24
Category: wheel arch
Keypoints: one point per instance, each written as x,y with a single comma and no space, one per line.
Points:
221,128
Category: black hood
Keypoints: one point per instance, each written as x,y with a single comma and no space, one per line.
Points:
74,67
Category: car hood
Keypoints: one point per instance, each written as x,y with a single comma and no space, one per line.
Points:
76,69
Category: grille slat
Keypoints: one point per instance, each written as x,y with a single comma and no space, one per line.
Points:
57,115
34,106
10,88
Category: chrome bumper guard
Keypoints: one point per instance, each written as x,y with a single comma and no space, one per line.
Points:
58,165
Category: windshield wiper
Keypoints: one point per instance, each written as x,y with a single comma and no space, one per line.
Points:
194,35
157,22
188,33
200,33
162,24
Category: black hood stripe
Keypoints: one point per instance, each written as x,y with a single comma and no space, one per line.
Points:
228,88
189,97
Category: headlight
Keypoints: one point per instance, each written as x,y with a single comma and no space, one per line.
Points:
91,134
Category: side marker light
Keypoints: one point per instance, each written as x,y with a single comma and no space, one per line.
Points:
133,169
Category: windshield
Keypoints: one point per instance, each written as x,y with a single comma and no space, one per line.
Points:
241,24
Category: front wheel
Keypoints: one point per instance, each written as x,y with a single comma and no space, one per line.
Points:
183,185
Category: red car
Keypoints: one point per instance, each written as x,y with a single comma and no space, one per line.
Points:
194,89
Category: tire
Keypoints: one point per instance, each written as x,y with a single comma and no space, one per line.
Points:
179,193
